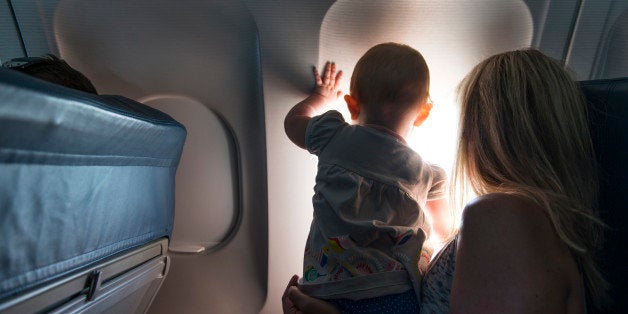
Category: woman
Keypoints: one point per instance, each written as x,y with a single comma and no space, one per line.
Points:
526,244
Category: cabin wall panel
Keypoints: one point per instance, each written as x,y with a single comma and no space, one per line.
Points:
34,19
553,25
614,59
289,32
595,40
10,46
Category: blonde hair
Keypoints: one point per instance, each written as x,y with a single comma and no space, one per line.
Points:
524,131
389,79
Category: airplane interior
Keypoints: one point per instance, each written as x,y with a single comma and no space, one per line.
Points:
176,190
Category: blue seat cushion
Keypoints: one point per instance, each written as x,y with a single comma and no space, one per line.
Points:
82,178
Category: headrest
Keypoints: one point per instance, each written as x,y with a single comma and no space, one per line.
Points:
608,114
46,119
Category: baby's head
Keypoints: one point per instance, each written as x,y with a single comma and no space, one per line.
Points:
390,87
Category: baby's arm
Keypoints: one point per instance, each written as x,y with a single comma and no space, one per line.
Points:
437,208
326,91
440,218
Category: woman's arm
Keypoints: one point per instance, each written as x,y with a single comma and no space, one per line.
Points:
326,91
509,260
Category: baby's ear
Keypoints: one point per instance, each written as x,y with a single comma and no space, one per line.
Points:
354,106
424,112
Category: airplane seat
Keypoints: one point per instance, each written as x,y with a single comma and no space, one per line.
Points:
608,115
86,198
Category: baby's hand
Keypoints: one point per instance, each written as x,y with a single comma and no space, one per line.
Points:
327,86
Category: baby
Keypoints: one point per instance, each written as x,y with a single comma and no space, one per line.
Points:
364,250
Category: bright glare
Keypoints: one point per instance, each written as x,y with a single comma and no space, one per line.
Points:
435,139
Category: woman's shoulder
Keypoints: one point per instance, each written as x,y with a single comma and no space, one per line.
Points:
508,243
501,210
511,221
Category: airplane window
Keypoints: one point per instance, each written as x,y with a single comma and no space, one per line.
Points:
208,154
452,35
616,64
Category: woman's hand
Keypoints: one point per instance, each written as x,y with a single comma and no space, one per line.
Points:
286,302
296,302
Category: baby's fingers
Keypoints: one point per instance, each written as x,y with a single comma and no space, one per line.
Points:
328,68
337,80
317,76
328,85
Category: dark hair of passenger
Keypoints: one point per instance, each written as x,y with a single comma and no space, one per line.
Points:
54,70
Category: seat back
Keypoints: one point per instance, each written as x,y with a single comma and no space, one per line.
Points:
608,113
86,195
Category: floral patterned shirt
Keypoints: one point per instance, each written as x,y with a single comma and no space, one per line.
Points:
368,230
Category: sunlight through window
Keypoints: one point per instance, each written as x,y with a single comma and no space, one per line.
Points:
452,35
